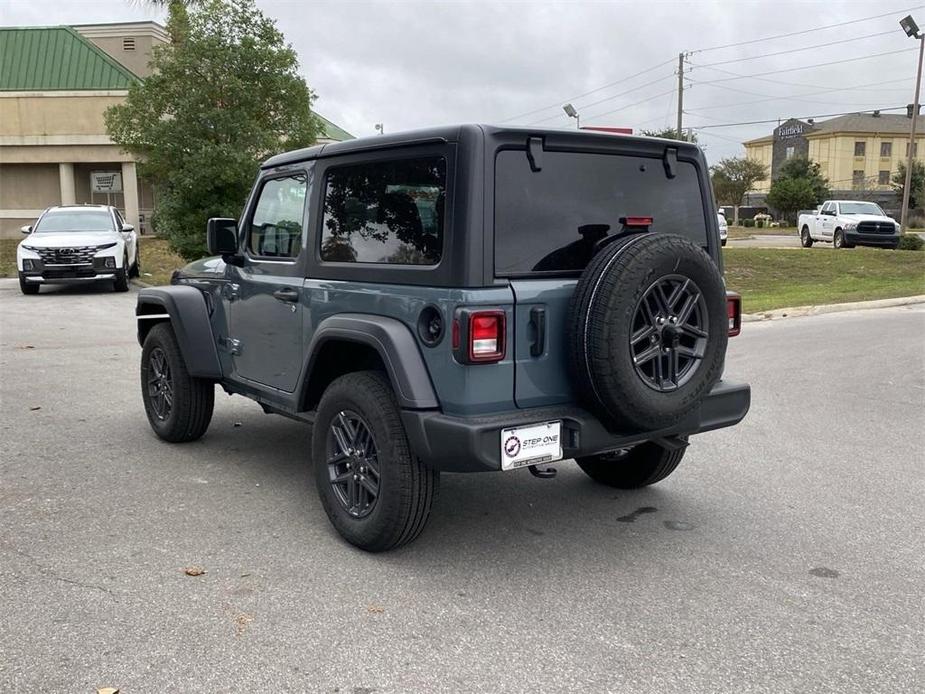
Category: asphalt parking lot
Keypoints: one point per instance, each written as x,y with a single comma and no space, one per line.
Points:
785,554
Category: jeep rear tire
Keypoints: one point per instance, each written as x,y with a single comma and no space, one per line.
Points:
179,406
375,491
641,466
647,331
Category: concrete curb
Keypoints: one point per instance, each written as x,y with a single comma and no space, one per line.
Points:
799,311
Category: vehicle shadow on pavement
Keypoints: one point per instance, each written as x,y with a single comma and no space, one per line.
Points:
476,517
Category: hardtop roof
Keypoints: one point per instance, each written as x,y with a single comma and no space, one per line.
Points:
448,133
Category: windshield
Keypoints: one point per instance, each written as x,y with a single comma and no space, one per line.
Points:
75,220
861,208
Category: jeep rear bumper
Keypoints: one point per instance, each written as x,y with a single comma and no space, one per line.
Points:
473,444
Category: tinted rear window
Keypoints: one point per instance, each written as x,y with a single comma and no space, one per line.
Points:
552,220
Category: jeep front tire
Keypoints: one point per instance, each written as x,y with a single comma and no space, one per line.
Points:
179,406
376,492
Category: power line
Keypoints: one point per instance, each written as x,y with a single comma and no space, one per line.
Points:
731,45
558,104
601,101
807,31
760,78
623,108
776,120
804,67
798,50
787,97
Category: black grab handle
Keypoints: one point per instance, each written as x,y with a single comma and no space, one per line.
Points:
538,323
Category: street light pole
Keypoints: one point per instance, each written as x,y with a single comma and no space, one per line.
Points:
908,24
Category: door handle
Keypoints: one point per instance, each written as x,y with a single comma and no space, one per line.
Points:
538,325
290,295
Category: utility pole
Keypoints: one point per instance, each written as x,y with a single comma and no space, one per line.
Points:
680,131
910,160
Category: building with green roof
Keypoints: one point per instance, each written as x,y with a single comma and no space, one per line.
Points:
55,85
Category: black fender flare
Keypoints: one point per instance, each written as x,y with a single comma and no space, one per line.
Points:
185,307
394,343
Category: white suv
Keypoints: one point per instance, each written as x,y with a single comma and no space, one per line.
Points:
78,243
723,227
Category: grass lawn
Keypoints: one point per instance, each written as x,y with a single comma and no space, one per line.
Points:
766,277
784,277
157,260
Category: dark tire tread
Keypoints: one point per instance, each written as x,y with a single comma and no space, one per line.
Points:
120,284
629,265
194,398
401,518
644,465
28,287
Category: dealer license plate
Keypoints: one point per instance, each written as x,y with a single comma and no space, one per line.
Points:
531,445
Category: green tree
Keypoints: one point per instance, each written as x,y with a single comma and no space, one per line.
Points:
799,167
917,189
671,134
787,195
223,95
733,177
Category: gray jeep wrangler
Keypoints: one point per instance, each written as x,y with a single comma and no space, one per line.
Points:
458,299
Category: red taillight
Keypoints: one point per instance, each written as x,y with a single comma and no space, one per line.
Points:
637,221
486,336
734,313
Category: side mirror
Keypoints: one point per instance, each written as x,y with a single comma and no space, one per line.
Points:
222,236
127,228
26,229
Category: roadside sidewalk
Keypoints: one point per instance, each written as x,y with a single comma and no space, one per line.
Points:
798,311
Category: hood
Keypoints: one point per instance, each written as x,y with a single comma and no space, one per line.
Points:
71,239
868,218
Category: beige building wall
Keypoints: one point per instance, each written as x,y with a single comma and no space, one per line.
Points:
129,43
135,59
836,154
26,115
49,143
26,190
29,186
761,152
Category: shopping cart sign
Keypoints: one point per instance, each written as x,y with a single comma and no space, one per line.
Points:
105,181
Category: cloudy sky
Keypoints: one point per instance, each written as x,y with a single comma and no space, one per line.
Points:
411,64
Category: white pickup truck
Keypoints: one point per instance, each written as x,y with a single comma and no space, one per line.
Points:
849,223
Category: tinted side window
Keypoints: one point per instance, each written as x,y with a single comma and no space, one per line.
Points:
553,220
385,212
276,226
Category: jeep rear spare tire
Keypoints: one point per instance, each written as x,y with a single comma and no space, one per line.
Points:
647,331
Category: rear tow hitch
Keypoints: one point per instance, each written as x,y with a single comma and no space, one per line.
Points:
546,474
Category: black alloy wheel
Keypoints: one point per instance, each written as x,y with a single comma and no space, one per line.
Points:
160,384
353,464
670,332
